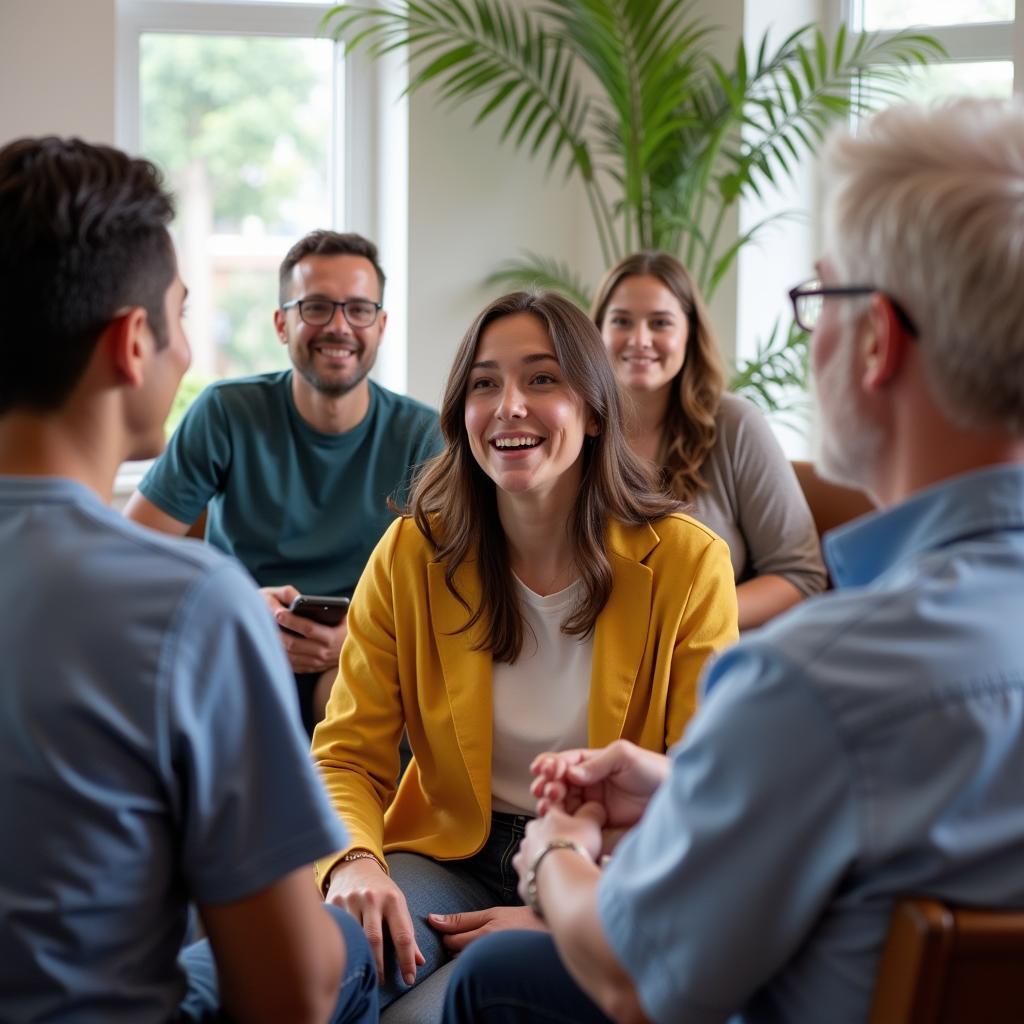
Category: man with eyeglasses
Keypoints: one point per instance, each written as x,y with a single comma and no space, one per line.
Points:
296,467
868,745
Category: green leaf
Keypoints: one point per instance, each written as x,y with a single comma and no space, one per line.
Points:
533,272
666,137
776,377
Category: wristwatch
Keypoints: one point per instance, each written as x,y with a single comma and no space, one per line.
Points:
532,898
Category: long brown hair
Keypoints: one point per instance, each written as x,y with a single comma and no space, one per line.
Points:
454,502
688,431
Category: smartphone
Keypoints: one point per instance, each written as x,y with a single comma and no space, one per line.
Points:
328,611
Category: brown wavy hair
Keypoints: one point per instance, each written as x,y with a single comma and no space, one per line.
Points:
688,431
454,502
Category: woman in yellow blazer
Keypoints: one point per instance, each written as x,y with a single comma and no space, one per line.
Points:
540,589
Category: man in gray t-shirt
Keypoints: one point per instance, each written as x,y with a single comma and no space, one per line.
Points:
150,755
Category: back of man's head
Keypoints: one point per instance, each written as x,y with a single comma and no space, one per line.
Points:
83,236
328,243
927,205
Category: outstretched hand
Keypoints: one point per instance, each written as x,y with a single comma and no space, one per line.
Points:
461,930
363,889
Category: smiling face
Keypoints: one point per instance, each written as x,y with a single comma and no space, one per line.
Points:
524,422
335,358
645,331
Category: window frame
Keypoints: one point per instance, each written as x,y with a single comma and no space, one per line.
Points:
369,148
370,154
964,42
296,20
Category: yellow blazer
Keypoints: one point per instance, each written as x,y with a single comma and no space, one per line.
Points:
404,665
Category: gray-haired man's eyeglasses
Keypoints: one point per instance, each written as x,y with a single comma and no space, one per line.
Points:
809,298
320,312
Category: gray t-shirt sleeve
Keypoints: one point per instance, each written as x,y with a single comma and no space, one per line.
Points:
740,850
755,504
249,805
192,468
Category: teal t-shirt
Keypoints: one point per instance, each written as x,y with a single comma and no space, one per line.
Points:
291,504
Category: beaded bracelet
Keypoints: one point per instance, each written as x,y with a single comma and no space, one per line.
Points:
363,855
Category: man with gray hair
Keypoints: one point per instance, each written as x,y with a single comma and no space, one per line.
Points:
870,744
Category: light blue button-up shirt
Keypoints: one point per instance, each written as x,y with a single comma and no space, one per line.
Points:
150,754
868,745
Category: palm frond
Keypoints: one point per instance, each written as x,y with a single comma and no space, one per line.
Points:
791,100
484,50
643,53
776,377
720,267
532,271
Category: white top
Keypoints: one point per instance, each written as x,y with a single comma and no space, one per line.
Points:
540,702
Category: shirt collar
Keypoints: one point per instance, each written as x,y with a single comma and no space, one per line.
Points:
979,502
40,489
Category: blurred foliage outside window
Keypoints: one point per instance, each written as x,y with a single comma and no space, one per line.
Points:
242,126
991,78
937,82
898,14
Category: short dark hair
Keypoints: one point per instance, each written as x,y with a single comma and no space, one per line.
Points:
328,243
83,234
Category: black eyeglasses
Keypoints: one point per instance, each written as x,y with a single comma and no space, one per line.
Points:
809,298
320,312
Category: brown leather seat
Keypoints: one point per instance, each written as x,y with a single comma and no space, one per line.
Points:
951,965
831,505
198,528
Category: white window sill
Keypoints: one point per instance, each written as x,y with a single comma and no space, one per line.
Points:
127,479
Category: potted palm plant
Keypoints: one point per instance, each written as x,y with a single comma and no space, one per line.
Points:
628,97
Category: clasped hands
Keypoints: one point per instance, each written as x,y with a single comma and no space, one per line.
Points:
591,797
588,796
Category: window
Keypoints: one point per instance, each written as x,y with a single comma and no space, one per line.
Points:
984,42
979,36
246,125
264,131
895,14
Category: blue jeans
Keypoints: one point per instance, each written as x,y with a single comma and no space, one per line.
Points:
357,1000
516,976
487,879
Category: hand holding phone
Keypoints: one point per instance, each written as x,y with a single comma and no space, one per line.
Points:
312,645
328,611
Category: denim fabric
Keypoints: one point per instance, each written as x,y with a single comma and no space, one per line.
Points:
357,998
491,984
487,879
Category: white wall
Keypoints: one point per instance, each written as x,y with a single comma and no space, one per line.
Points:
57,68
474,203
